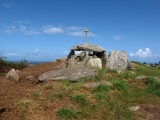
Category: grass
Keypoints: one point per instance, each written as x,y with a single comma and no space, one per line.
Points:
24,103
80,99
36,94
48,87
66,113
153,86
121,85
100,88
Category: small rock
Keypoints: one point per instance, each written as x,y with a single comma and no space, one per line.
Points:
12,75
134,108
141,77
30,78
94,84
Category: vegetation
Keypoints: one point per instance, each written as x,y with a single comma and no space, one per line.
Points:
7,65
67,100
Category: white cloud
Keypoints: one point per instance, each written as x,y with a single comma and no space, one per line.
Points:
8,31
75,28
13,54
36,51
92,34
6,5
52,30
142,54
32,32
76,33
22,28
117,37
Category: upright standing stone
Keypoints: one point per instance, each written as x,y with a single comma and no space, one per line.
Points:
117,60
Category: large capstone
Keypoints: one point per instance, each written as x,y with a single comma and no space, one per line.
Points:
117,60
71,74
91,56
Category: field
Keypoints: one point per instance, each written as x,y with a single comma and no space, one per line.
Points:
54,100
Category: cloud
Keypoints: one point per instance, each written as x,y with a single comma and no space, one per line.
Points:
6,5
36,51
75,28
52,30
117,37
32,32
13,54
8,31
142,54
76,33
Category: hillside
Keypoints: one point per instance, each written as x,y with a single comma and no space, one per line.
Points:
53,100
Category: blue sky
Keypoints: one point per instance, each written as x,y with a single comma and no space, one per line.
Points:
43,30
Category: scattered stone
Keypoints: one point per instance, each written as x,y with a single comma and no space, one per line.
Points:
12,75
72,74
134,108
30,78
118,60
132,72
141,77
94,84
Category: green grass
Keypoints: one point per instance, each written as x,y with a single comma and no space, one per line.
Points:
36,94
154,89
66,113
80,99
121,85
100,88
48,87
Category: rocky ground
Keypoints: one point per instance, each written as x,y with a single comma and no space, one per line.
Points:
18,100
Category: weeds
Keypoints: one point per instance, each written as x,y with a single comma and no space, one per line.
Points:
120,85
80,99
36,94
65,113
48,87
51,96
154,89
100,88
23,103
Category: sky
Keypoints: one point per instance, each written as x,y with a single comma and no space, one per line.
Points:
44,30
